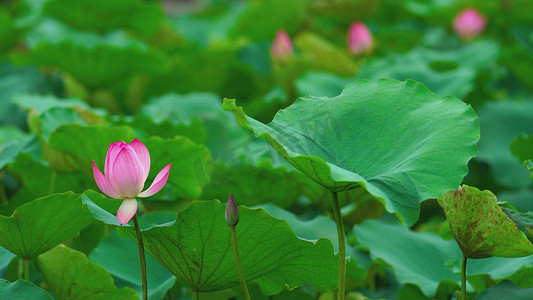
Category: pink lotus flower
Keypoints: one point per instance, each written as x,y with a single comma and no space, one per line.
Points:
282,46
469,23
126,169
359,39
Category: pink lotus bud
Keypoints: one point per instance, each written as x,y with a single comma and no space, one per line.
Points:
232,212
359,39
126,169
282,46
469,23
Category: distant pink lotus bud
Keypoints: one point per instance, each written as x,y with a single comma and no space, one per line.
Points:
359,39
469,23
126,169
282,46
232,212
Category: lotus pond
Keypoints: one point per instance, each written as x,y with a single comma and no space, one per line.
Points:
266,149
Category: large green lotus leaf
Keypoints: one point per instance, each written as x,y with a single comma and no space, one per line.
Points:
500,122
42,224
139,16
431,264
86,143
120,257
21,290
197,249
191,164
480,227
98,61
399,141
274,14
70,275
506,290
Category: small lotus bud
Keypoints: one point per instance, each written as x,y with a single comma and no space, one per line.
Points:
232,212
469,23
282,46
359,39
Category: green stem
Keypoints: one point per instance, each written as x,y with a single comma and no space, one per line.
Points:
238,263
342,246
53,177
141,256
26,269
195,295
463,278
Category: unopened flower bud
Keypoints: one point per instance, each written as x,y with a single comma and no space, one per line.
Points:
469,23
282,46
359,39
232,212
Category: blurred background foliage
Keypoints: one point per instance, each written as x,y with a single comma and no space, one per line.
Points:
77,75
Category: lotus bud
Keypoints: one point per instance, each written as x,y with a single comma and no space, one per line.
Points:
359,39
282,46
469,23
232,212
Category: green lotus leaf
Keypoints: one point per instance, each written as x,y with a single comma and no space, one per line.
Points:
197,249
399,141
139,16
70,275
98,61
480,227
42,224
500,123
20,290
506,290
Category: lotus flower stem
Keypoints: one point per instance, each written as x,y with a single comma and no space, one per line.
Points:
238,263
342,246
26,269
463,277
141,256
